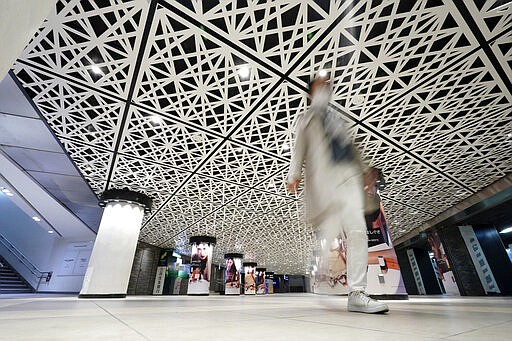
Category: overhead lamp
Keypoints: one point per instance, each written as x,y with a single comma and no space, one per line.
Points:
358,100
286,147
500,5
36,218
244,72
6,191
96,69
322,73
156,119
506,230
50,231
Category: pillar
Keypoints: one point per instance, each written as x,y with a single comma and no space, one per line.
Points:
200,265
232,273
250,278
269,278
113,253
261,284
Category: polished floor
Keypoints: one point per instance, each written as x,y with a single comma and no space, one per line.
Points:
272,317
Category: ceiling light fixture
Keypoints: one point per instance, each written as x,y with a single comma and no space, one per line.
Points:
322,73
506,230
36,218
244,72
156,119
501,5
96,69
286,147
50,231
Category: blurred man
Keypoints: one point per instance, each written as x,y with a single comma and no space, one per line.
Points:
334,188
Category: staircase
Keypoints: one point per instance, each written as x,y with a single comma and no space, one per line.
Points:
11,282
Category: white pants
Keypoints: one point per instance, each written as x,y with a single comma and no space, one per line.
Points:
346,218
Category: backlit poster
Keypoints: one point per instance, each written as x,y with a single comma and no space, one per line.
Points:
232,276
261,284
330,264
250,278
200,266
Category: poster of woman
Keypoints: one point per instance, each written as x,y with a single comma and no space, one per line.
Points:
200,266
250,278
232,273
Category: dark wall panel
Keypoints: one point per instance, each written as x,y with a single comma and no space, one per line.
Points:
142,277
406,270
460,260
427,272
497,257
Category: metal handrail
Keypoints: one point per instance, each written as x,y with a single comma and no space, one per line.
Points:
23,260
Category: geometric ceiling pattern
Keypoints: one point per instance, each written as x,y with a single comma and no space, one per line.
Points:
194,103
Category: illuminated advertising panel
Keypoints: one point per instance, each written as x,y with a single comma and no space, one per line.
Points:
232,276
200,265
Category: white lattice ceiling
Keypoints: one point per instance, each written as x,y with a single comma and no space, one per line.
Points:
151,95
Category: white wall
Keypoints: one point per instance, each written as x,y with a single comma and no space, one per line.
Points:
68,264
33,241
48,252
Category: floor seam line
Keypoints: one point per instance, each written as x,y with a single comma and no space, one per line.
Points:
118,319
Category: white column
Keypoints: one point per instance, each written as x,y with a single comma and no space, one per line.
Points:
19,21
114,250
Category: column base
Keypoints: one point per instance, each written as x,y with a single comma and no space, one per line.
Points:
102,296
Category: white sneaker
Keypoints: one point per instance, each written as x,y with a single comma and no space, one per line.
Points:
359,301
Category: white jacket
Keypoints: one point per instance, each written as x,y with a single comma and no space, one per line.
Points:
323,177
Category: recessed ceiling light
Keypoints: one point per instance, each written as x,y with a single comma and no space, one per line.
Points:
50,231
286,147
322,73
358,100
506,230
197,137
9,194
244,72
96,69
5,190
36,218
156,119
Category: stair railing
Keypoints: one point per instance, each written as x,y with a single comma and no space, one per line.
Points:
38,274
